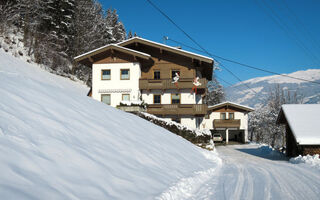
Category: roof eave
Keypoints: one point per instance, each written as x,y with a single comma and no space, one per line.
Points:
108,47
248,109
168,48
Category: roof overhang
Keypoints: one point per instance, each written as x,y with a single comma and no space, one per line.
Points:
89,54
290,114
228,103
166,48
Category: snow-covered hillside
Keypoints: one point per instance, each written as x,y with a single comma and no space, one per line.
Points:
56,143
310,92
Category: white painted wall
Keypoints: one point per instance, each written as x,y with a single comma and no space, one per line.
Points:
237,115
116,87
188,121
186,96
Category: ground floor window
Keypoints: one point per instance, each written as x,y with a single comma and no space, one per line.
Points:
106,98
125,97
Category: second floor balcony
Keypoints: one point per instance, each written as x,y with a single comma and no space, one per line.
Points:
226,123
177,109
165,84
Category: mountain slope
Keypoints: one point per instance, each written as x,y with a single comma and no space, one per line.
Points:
310,92
56,143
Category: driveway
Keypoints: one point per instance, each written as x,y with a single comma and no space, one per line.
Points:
248,172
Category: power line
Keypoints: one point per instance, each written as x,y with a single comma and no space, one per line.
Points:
298,23
245,65
275,17
185,33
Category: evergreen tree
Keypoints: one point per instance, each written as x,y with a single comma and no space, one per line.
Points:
215,92
55,31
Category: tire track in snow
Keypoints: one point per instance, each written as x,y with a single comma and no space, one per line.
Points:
185,188
248,176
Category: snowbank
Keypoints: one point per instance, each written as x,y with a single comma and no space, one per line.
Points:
313,161
56,143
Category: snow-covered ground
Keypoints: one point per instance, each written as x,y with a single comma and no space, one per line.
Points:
256,172
56,143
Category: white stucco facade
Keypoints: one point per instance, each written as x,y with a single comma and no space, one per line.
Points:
186,97
242,116
116,87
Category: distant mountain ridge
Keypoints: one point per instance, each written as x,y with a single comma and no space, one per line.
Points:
308,91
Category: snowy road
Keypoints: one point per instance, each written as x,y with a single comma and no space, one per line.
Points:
246,174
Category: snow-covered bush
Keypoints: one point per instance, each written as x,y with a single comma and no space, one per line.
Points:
196,136
139,103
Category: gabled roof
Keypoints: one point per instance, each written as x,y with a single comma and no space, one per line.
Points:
112,46
228,103
167,48
303,120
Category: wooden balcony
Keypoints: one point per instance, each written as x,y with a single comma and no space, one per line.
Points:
165,84
177,109
226,123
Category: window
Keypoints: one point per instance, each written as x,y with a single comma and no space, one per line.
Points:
157,99
176,119
125,74
223,116
173,73
125,97
231,115
175,98
198,121
105,74
156,75
106,98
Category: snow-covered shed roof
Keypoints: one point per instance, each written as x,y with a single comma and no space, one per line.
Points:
167,48
228,103
112,46
303,120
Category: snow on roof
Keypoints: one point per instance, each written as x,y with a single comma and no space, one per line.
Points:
164,46
110,46
303,120
232,104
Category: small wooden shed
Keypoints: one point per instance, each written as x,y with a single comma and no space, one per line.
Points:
302,128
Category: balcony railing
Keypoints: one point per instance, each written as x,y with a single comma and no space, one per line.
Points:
226,123
164,84
177,109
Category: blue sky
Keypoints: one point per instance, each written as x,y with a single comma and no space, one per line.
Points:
239,30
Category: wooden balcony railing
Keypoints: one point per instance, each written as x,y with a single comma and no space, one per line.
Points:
226,123
177,109
164,84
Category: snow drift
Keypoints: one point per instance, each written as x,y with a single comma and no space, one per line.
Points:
56,143
313,161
